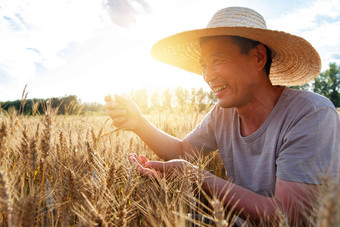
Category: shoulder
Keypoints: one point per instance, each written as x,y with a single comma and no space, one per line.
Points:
297,109
307,100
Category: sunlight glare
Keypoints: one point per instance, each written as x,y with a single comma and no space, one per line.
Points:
131,66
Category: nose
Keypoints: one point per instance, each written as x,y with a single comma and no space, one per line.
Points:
209,74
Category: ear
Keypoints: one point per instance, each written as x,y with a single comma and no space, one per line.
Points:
260,56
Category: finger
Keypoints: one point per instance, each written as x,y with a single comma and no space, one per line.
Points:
111,105
119,122
117,113
135,158
123,102
132,160
143,159
132,155
141,170
120,99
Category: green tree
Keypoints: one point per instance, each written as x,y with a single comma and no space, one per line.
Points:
328,82
302,87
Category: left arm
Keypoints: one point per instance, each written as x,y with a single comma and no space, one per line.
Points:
291,198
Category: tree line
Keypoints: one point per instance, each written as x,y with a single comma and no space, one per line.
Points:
326,84
195,99
63,105
148,101
173,98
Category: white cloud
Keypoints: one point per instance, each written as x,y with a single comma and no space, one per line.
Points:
305,17
318,23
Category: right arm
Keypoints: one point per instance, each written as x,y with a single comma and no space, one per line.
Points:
126,115
164,145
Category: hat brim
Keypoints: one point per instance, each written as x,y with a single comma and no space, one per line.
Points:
294,60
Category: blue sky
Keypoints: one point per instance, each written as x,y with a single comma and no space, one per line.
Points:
91,48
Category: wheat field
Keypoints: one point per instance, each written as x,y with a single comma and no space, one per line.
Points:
73,171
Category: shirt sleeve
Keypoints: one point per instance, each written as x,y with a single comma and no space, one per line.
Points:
311,147
202,138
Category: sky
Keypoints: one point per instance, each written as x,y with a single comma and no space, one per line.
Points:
92,48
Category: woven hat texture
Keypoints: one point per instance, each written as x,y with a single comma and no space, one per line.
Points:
294,60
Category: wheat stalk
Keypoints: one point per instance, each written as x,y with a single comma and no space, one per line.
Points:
5,203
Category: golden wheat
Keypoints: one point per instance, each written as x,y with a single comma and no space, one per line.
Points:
74,171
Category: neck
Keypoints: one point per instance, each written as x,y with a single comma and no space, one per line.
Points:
258,109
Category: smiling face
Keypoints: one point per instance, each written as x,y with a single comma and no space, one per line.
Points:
234,77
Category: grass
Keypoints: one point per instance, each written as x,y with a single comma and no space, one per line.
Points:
73,171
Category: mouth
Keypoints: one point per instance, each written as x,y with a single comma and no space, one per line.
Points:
218,88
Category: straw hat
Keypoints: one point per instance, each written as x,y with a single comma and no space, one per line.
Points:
295,61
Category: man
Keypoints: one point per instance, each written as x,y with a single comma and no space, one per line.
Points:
275,142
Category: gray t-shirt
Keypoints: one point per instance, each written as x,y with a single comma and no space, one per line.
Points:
297,142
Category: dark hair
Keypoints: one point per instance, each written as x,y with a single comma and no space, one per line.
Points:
245,46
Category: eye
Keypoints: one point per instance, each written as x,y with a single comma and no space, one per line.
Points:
217,60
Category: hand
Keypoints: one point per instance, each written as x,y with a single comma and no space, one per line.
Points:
161,169
124,113
140,162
